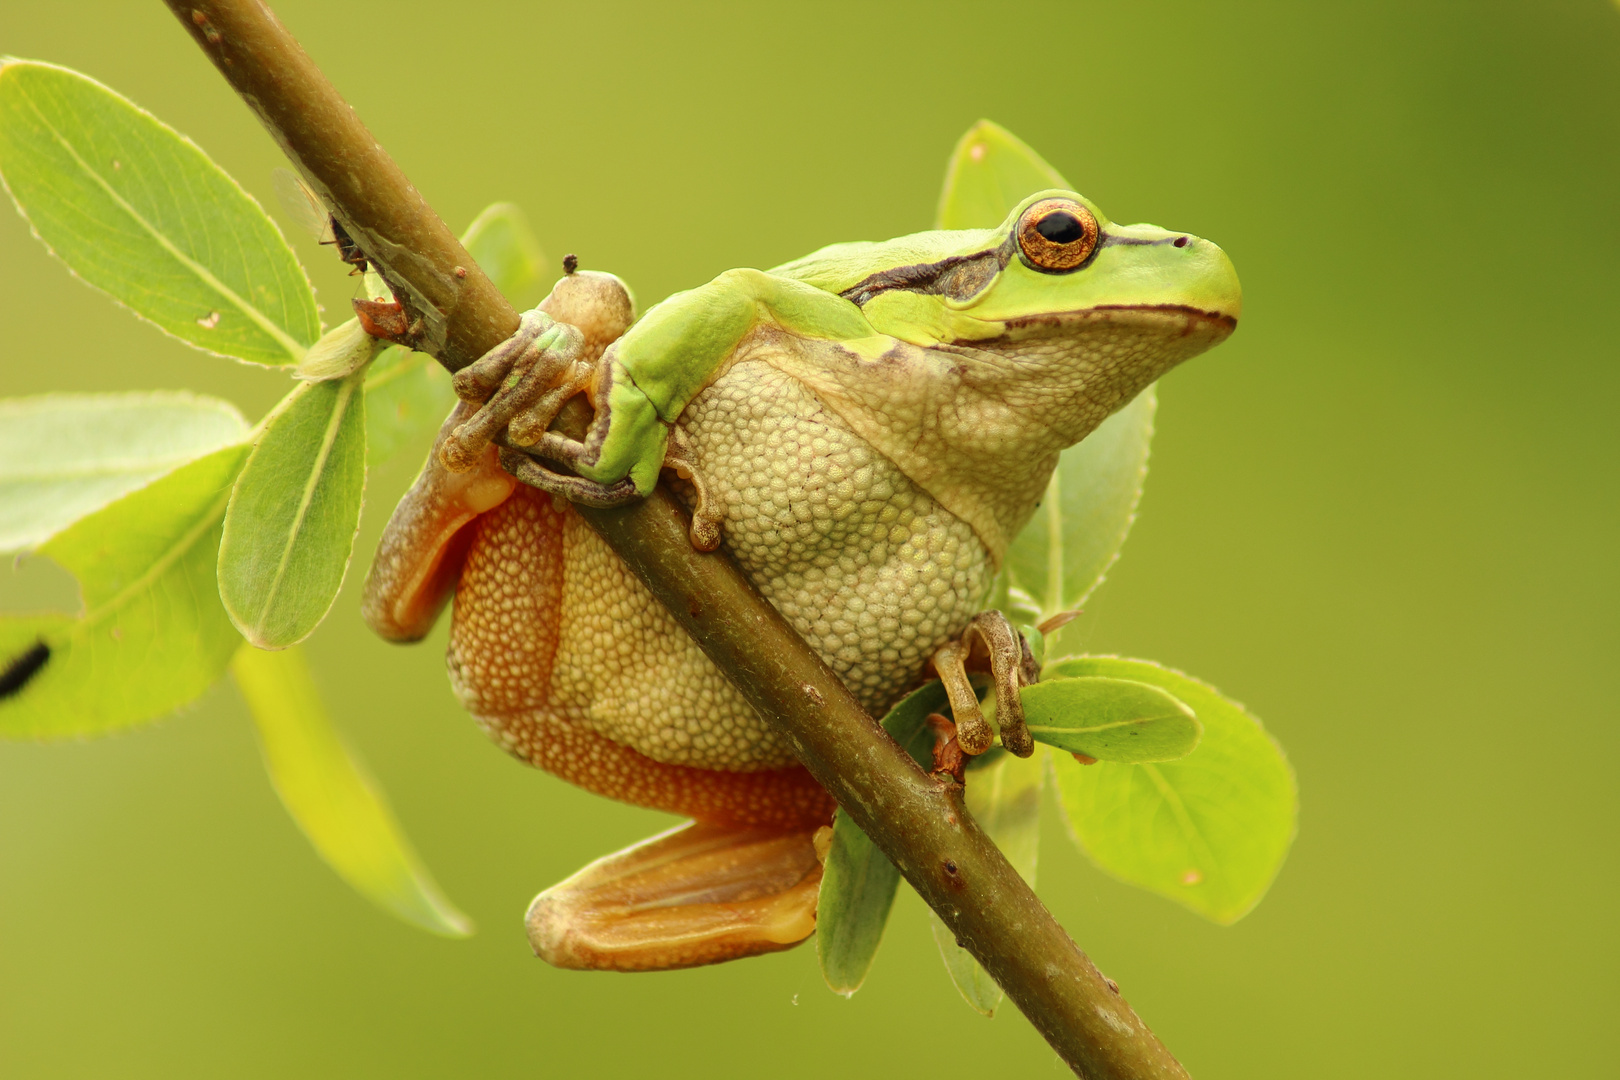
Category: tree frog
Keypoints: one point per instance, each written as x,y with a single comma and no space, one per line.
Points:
865,430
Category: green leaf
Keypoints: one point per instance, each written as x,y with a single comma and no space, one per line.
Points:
326,790
1005,798
858,885
990,172
1065,551
503,245
294,513
1075,535
137,210
1110,719
63,456
408,394
1209,831
153,634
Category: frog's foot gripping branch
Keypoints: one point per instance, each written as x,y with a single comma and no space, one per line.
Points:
520,386
698,894
988,644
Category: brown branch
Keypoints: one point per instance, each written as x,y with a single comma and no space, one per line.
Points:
917,821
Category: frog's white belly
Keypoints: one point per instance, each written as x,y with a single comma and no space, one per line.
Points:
866,566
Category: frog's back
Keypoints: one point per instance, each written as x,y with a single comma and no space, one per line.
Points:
839,267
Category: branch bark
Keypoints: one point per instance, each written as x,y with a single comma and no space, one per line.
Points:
918,822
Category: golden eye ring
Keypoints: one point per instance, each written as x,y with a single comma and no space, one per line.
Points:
1057,235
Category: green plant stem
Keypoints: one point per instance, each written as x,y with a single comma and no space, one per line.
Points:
917,821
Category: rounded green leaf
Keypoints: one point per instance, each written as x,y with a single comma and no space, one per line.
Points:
1209,831
153,634
294,513
1110,719
502,243
1065,551
325,788
137,210
63,456
859,882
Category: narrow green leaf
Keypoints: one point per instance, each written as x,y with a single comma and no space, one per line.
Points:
990,172
153,634
137,210
858,886
1209,831
1065,551
294,513
328,793
1110,719
408,394
63,456
1076,533
1005,798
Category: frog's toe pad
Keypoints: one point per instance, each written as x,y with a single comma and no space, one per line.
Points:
698,894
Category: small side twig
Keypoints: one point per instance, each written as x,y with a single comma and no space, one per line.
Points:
916,820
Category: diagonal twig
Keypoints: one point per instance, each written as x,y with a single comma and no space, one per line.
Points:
917,821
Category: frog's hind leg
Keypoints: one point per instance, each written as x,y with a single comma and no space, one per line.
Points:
701,893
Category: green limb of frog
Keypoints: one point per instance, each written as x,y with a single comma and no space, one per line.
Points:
644,383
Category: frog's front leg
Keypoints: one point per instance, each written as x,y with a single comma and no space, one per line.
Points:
989,643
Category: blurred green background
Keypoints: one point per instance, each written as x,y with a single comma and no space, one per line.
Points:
1383,516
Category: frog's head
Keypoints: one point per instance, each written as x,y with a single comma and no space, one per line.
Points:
1082,313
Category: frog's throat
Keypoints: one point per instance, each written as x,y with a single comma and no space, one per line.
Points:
979,424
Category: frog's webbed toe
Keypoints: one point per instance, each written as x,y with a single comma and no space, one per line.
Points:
573,488
990,643
699,894
520,386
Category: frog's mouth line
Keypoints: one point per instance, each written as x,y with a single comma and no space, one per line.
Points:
1193,319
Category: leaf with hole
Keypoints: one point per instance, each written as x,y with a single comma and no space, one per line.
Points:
153,634
326,789
859,883
63,456
1209,830
138,211
290,528
1110,719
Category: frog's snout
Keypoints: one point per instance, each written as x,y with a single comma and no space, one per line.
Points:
1176,268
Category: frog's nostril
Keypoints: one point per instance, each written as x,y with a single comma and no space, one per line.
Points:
1181,241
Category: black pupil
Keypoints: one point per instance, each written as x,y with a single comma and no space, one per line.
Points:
1060,227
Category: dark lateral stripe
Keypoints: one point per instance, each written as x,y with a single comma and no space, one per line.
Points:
960,277
22,669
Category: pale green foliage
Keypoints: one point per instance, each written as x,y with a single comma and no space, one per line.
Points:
1076,534
327,792
1210,830
991,170
63,456
408,394
1109,719
858,886
1004,796
138,211
294,513
153,634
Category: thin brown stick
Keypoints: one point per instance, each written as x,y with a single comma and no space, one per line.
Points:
917,821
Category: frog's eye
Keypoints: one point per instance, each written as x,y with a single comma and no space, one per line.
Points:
1057,235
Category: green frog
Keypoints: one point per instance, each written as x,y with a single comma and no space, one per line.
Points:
864,430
